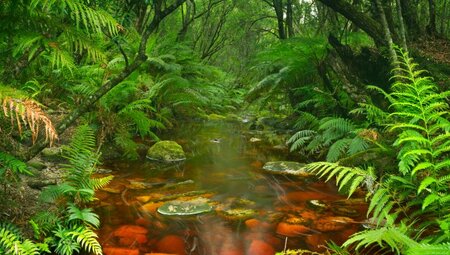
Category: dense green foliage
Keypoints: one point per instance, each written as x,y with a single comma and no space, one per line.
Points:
412,201
130,69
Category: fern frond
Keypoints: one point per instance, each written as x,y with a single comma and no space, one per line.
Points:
351,177
86,215
28,112
87,239
395,239
429,249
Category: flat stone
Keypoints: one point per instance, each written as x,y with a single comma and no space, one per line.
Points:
185,208
287,168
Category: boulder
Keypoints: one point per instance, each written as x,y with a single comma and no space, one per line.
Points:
167,151
287,168
52,153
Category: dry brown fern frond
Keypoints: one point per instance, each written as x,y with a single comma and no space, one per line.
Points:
28,113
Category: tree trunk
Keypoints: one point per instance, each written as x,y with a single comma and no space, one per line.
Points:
387,34
444,19
401,26
431,27
105,88
410,17
278,6
289,19
186,19
360,19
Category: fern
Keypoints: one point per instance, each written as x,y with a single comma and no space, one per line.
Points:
86,216
87,240
12,242
338,135
28,112
395,239
350,177
78,186
429,249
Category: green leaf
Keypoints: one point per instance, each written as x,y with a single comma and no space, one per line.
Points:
429,200
425,183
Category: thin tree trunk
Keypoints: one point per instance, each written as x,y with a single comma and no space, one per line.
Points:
431,28
387,34
444,19
289,19
278,6
105,88
409,11
401,25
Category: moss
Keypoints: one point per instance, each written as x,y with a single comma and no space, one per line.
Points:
214,116
166,151
287,168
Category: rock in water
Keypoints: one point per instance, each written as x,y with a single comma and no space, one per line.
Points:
168,151
185,208
287,168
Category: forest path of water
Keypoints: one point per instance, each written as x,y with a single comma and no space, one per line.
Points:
253,212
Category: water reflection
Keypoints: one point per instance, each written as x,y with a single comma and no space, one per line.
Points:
224,167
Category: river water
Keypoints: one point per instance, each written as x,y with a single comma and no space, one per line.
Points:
224,167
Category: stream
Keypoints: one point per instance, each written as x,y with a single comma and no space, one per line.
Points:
223,167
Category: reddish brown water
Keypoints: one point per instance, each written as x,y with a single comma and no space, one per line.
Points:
224,166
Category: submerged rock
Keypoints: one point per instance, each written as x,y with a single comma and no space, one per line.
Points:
168,151
236,209
119,251
293,226
171,244
332,223
131,234
261,248
185,208
287,168
317,205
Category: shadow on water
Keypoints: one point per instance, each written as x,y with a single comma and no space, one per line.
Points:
254,213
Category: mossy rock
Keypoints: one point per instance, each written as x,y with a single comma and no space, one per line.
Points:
287,168
168,151
36,164
185,208
52,153
214,116
236,209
